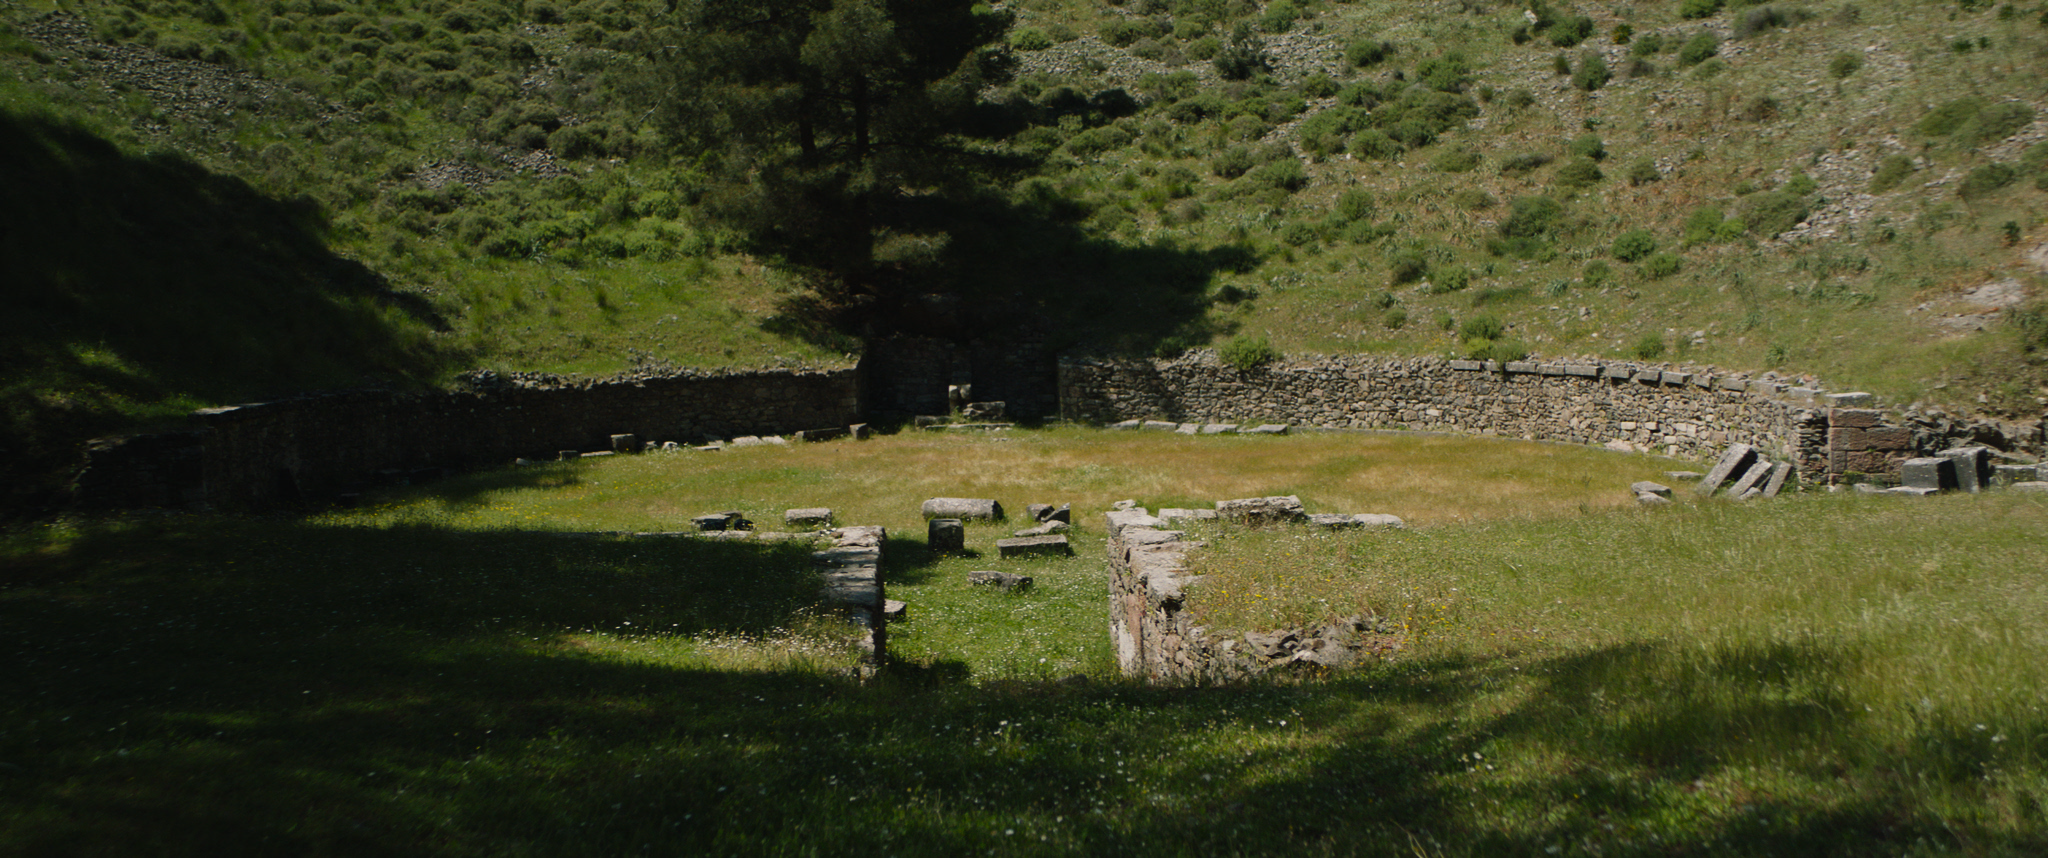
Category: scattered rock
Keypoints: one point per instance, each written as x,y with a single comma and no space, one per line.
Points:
1004,581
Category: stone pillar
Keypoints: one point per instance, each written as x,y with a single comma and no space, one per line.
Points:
944,535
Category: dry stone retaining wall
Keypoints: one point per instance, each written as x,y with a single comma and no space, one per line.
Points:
1626,406
314,447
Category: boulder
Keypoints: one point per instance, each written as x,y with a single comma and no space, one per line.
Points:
819,517
1658,489
1045,528
895,611
963,508
1933,473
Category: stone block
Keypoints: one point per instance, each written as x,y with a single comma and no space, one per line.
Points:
1259,510
1034,546
861,431
983,411
1855,418
1582,370
713,521
1268,429
1188,429
1065,512
1551,369
1127,424
1123,518
1737,457
812,436
1177,514
1522,366
2031,486
810,517
2006,475
1466,365
1649,376
1915,491
974,508
1765,388
1651,499
1849,400
1675,378
625,443
895,611
945,535
1934,473
1863,461
1218,428
1877,438
1377,520
1683,476
1044,528
1037,511
1972,466
1005,581
1776,481
1752,477
1736,384
1332,520
1161,425
1658,489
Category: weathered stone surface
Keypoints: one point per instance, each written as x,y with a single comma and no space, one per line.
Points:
1658,489
1123,518
1064,512
2031,486
945,535
1160,425
1037,511
1124,504
1177,514
625,443
2006,475
1005,581
1850,400
1752,477
812,436
1855,418
1376,520
1127,424
1218,428
1267,429
861,431
1189,429
728,520
1466,365
1877,438
1683,476
1934,473
1971,464
1044,528
1274,644
1738,457
808,517
983,410
1151,536
1651,499
748,441
964,508
672,447
1915,491
1028,546
1332,520
895,611
1776,481
1266,509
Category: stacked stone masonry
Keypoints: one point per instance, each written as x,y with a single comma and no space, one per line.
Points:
1624,406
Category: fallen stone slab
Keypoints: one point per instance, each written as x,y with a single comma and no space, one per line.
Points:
1916,491
1064,513
1259,510
625,443
2006,475
808,517
2030,486
1218,428
747,441
1776,481
1127,424
1189,429
1752,477
672,447
1737,458
1045,528
1037,511
1031,546
1160,425
1124,504
1933,473
1645,486
727,520
1379,520
861,431
1651,499
1177,514
945,535
1971,464
1004,581
1332,520
963,508
812,436
1267,429
982,412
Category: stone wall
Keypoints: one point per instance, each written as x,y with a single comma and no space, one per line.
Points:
907,376
314,447
1157,639
1624,406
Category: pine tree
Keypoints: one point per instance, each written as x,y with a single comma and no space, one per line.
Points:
822,123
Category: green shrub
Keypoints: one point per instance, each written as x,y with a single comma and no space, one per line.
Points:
1647,347
1205,48
1482,327
1246,353
1986,179
1472,199
1587,145
2035,159
1707,225
1949,118
1649,45
1457,160
1531,217
1317,85
1451,279
1374,143
1995,123
1394,318
1523,164
1642,172
1571,31
1765,18
1698,8
1366,52
1124,32
1772,212
1578,173
1623,33
1279,16
1561,65
1285,174
1520,98
1762,108
1448,73
1497,294
1661,265
1233,162
1890,172
1591,72
1596,275
1030,39
1241,59
1844,64
1634,245
1405,267
1698,49
1355,204
1327,130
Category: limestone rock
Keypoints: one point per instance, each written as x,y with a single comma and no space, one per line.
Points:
1028,546
818,517
945,535
1645,486
1004,581
1260,510
963,508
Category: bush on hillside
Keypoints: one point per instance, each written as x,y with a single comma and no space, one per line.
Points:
1949,117
1984,180
1456,160
1765,18
1699,49
1591,72
1405,267
1285,174
1244,57
1707,225
1698,8
1995,123
1448,73
1578,173
1634,245
1233,162
1844,64
1355,204
1587,145
1642,172
1483,327
1368,52
1246,353
1523,164
1661,265
1030,39
1890,172
1772,212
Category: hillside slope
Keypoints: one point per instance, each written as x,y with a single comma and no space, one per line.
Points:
1848,190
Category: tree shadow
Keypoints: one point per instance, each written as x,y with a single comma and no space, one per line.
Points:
189,686
144,284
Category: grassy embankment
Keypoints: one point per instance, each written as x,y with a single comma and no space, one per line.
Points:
440,674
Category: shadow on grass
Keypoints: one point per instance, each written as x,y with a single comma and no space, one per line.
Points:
206,686
464,492
137,286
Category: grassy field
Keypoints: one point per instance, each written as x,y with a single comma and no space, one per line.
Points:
448,672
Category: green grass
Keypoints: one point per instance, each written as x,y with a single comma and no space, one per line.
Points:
439,674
